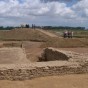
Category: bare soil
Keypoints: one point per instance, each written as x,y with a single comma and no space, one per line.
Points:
24,51
66,81
33,50
12,56
78,50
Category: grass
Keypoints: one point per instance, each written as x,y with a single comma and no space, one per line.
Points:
65,43
81,34
77,33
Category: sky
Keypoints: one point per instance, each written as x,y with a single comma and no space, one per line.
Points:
44,12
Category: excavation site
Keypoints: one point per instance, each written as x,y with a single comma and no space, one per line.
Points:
38,58
43,43
26,60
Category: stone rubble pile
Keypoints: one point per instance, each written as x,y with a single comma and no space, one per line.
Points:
52,54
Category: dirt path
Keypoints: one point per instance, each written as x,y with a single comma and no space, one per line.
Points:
47,33
67,81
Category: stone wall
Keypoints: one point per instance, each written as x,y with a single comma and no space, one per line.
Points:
10,44
32,71
52,54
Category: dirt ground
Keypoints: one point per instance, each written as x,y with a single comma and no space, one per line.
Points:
12,56
29,52
78,50
33,50
66,81
47,33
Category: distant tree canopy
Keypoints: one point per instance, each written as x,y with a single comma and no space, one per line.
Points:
63,27
11,27
45,27
27,26
6,28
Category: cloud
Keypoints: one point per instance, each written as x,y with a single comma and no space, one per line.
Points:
51,11
81,8
35,8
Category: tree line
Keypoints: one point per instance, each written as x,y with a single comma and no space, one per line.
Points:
45,27
62,28
6,28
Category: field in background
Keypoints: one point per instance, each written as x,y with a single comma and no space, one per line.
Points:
80,39
37,36
77,33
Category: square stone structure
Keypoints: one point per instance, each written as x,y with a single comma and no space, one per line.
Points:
12,56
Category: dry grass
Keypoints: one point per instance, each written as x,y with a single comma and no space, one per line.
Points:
22,35
65,43
34,35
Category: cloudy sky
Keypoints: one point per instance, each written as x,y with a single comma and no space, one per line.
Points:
44,12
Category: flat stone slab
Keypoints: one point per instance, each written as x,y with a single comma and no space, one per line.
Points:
12,56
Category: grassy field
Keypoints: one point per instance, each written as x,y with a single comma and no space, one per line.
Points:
77,33
81,34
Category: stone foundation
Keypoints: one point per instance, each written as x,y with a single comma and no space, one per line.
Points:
29,71
53,54
10,44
